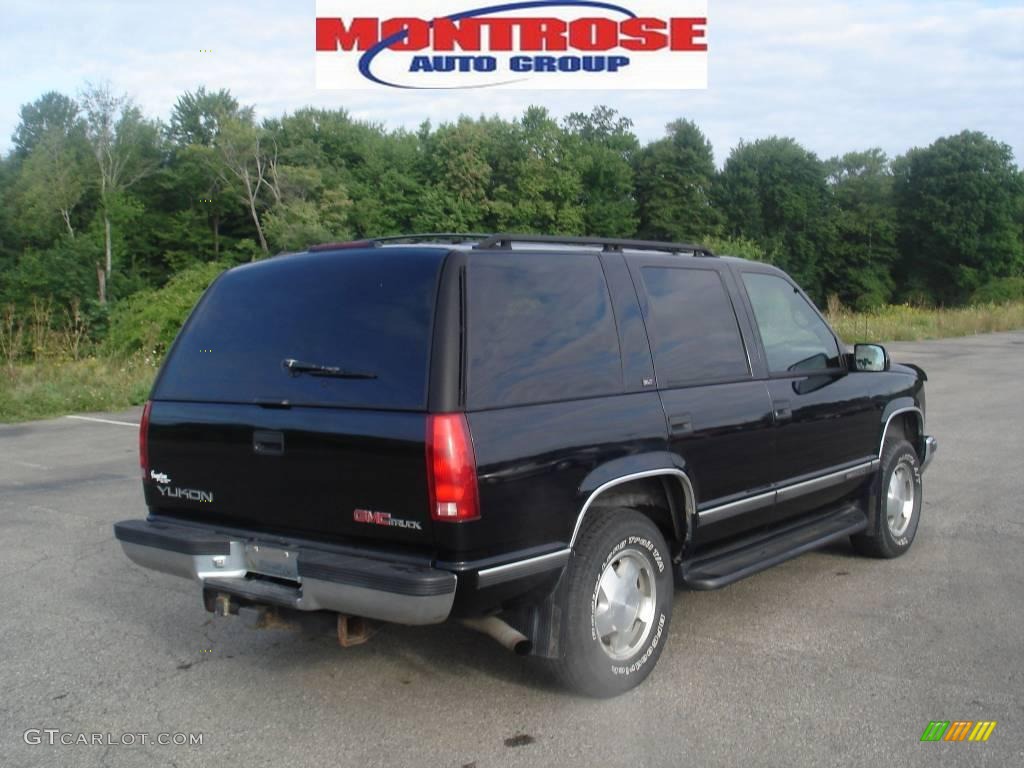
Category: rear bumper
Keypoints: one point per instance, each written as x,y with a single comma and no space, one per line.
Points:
301,576
931,447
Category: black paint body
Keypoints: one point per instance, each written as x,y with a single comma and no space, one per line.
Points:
537,463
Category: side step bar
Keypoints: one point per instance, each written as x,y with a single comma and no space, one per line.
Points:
737,560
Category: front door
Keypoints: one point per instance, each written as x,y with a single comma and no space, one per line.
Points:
826,422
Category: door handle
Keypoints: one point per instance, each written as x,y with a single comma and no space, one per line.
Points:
680,424
782,411
268,443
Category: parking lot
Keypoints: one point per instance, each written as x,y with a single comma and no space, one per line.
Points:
827,660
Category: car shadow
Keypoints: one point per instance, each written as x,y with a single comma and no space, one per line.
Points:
407,654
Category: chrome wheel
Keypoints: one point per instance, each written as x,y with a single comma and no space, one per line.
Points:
626,600
899,503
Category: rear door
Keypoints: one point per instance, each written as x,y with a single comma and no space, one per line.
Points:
332,445
719,418
545,395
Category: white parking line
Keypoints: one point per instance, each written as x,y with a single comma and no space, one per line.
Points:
30,465
104,421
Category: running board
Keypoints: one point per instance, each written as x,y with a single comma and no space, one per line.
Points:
735,561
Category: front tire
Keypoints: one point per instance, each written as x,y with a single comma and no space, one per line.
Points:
899,504
619,595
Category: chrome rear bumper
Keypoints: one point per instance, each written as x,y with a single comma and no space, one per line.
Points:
300,577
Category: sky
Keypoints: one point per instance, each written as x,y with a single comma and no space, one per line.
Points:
837,76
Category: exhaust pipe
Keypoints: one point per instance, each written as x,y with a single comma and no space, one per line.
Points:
503,632
354,630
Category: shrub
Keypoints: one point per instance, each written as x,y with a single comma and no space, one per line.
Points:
902,322
1000,291
735,246
44,389
148,321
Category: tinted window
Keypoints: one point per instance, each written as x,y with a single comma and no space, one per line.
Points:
692,326
541,328
795,339
362,311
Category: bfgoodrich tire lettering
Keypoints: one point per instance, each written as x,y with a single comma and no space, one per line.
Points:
619,599
899,503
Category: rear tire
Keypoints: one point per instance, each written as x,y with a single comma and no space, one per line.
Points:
899,504
619,594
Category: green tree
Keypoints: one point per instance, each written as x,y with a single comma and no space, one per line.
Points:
61,273
197,116
245,153
458,199
859,268
674,177
541,189
602,145
959,209
10,241
378,171
126,148
774,192
54,178
301,221
51,112
192,131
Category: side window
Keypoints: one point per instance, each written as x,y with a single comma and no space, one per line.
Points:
540,328
694,334
795,339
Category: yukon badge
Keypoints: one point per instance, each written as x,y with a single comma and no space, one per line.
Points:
383,518
185,493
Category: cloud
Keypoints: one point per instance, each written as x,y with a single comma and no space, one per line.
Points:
837,76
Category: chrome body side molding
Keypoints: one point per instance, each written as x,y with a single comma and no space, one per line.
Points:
733,508
786,492
815,484
518,569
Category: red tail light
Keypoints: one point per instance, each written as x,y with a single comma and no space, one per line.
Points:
451,469
144,440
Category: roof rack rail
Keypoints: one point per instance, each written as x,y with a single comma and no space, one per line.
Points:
429,236
608,244
342,246
505,241
377,242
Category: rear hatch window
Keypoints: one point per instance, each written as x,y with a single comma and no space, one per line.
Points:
367,314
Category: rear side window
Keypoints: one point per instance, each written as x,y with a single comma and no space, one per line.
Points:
694,334
540,328
368,312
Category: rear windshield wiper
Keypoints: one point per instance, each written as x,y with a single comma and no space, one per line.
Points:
295,367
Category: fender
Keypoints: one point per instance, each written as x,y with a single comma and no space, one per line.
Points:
661,464
897,406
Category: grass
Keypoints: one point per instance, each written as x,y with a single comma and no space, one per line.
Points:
49,388
901,322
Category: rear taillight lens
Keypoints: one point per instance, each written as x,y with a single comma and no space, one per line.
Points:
144,440
451,469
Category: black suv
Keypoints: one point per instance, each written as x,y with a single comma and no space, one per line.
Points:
541,436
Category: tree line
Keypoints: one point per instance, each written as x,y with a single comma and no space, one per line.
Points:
99,201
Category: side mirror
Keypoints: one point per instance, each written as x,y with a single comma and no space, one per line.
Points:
870,357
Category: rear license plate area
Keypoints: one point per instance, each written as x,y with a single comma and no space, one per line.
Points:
272,561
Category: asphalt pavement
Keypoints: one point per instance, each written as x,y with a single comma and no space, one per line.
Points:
828,660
